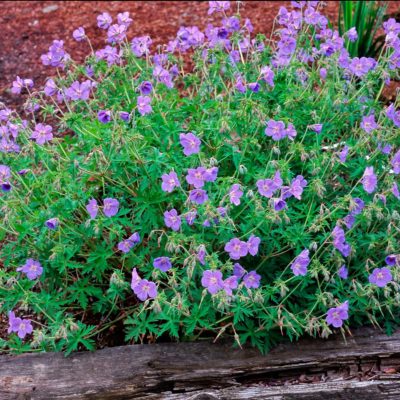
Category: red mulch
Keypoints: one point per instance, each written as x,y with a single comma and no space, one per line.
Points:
29,27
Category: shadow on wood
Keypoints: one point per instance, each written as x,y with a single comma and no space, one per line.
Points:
366,366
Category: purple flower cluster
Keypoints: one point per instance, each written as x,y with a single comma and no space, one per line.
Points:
32,269
126,245
336,315
339,241
110,207
380,277
19,84
277,130
42,134
238,248
56,56
213,280
143,288
300,263
21,327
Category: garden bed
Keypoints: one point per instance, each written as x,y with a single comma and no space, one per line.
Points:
363,366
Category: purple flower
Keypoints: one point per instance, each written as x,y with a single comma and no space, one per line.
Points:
116,33
212,281
297,186
20,84
126,245
393,115
317,128
368,123
396,191
146,87
300,263
210,174
79,91
369,180
92,208
141,45
162,263
336,315
42,134
252,244
267,187
380,277
343,154
275,129
124,19
125,116
79,34
267,75
235,194
190,143
392,259
238,270
323,73
6,186
252,280
104,20
339,241
143,105
279,204
135,279
52,223
169,182
20,326
229,284
172,219
349,221
110,207
191,216
239,85
361,66
218,6
236,248
198,196
32,269
145,290
352,34
104,116
50,88
196,177
110,54
343,272
254,87
5,173
290,131
357,206
201,255
396,163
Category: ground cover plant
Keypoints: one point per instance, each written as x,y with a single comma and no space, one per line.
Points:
225,184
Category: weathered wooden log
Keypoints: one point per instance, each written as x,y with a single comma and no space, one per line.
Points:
365,366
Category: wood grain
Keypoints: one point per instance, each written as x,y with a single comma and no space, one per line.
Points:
365,366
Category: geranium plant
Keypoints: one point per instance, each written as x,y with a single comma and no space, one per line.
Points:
223,184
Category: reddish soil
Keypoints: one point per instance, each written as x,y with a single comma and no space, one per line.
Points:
29,27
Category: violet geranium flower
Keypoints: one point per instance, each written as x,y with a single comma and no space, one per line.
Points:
300,263
42,134
212,281
145,290
369,180
169,182
92,208
32,269
110,207
190,143
162,263
336,315
235,194
380,277
21,327
236,248
143,105
252,280
172,219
